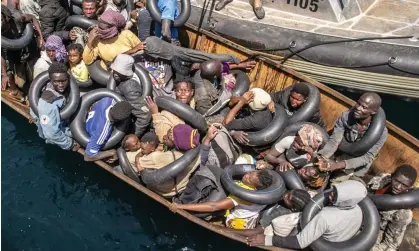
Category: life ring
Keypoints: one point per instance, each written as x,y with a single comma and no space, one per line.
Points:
79,21
19,43
86,84
161,177
185,12
183,111
292,180
386,202
145,80
38,85
369,139
270,133
77,2
242,83
361,241
307,110
78,127
76,10
98,74
126,165
292,130
267,196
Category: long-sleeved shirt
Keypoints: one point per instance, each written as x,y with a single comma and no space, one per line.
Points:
346,127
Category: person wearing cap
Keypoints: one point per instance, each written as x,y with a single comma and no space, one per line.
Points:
128,85
259,116
293,99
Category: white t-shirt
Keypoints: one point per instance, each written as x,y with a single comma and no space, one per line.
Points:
284,144
283,225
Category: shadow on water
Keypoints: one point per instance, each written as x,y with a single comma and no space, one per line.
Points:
53,200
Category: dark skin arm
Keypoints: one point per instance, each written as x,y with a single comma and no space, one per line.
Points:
102,155
138,47
206,207
26,18
244,100
243,66
326,165
245,232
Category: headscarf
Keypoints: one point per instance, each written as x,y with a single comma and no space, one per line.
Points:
114,19
55,43
185,137
311,139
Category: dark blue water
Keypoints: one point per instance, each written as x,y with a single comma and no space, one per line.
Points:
53,200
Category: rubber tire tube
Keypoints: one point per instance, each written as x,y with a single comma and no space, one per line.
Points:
363,241
292,180
161,177
86,84
79,21
386,202
270,133
183,111
19,43
307,110
76,10
130,6
126,165
184,15
98,74
145,80
78,126
267,196
77,2
373,134
35,92
242,83
292,130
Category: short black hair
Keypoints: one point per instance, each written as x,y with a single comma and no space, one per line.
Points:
90,1
299,199
408,171
187,81
75,46
150,137
121,110
265,180
57,67
302,89
125,139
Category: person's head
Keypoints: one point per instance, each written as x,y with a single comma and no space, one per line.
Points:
55,49
120,111
261,99
75,52
347,194
149,143
89,8
307,140
299,95
122,68
211,69
312,176
58,76
184,91
6,18
119,3
367,105
110,24
296,199
258,179
403,179
182,137
130,143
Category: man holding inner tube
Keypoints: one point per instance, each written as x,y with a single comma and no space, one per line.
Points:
393,222
53,98
90,10
351,126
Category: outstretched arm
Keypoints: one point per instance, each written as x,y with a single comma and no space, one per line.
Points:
26,18
208,207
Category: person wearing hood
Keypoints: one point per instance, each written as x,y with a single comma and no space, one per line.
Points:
336,223
53,98
54,52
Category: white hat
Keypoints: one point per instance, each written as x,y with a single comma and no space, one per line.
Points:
123,64
260,100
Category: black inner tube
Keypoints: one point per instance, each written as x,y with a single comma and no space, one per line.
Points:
19,43
292,180
78,126
79,21
363,241
242,83
77,2
183,111
270,195
76,10
185,12
369,139
126,165
386,202
272,131
38,85
145,80
98,74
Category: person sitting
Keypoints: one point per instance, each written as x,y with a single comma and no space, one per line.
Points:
52,100
128,85
108,39
297,96
335,223
240,214
102,117
54,51
132,146
77,34
352,124
52,17
77,67
393,222
164,120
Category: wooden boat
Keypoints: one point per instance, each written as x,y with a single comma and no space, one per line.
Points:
400,147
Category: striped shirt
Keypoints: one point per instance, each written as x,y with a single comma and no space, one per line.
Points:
98,125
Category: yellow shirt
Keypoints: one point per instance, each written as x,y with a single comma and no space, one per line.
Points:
80,72
108,49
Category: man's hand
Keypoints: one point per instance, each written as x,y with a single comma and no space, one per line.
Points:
76,147
323,164
133,14
256,240
271,107
212,132
73,35
41,42
4,82
152,106
248,65
240,137
285,166
139,47
93,37
247,97
112,158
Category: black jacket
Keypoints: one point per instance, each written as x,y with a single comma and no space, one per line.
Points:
52,17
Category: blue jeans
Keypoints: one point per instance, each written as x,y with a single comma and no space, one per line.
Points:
169,10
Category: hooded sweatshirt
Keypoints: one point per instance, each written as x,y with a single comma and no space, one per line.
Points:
336,223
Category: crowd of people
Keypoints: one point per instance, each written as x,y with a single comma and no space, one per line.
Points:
203,82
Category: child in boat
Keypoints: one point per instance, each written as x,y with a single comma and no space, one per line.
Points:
393,222
77,67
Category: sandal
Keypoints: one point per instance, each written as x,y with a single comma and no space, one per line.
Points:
259,12
221,4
